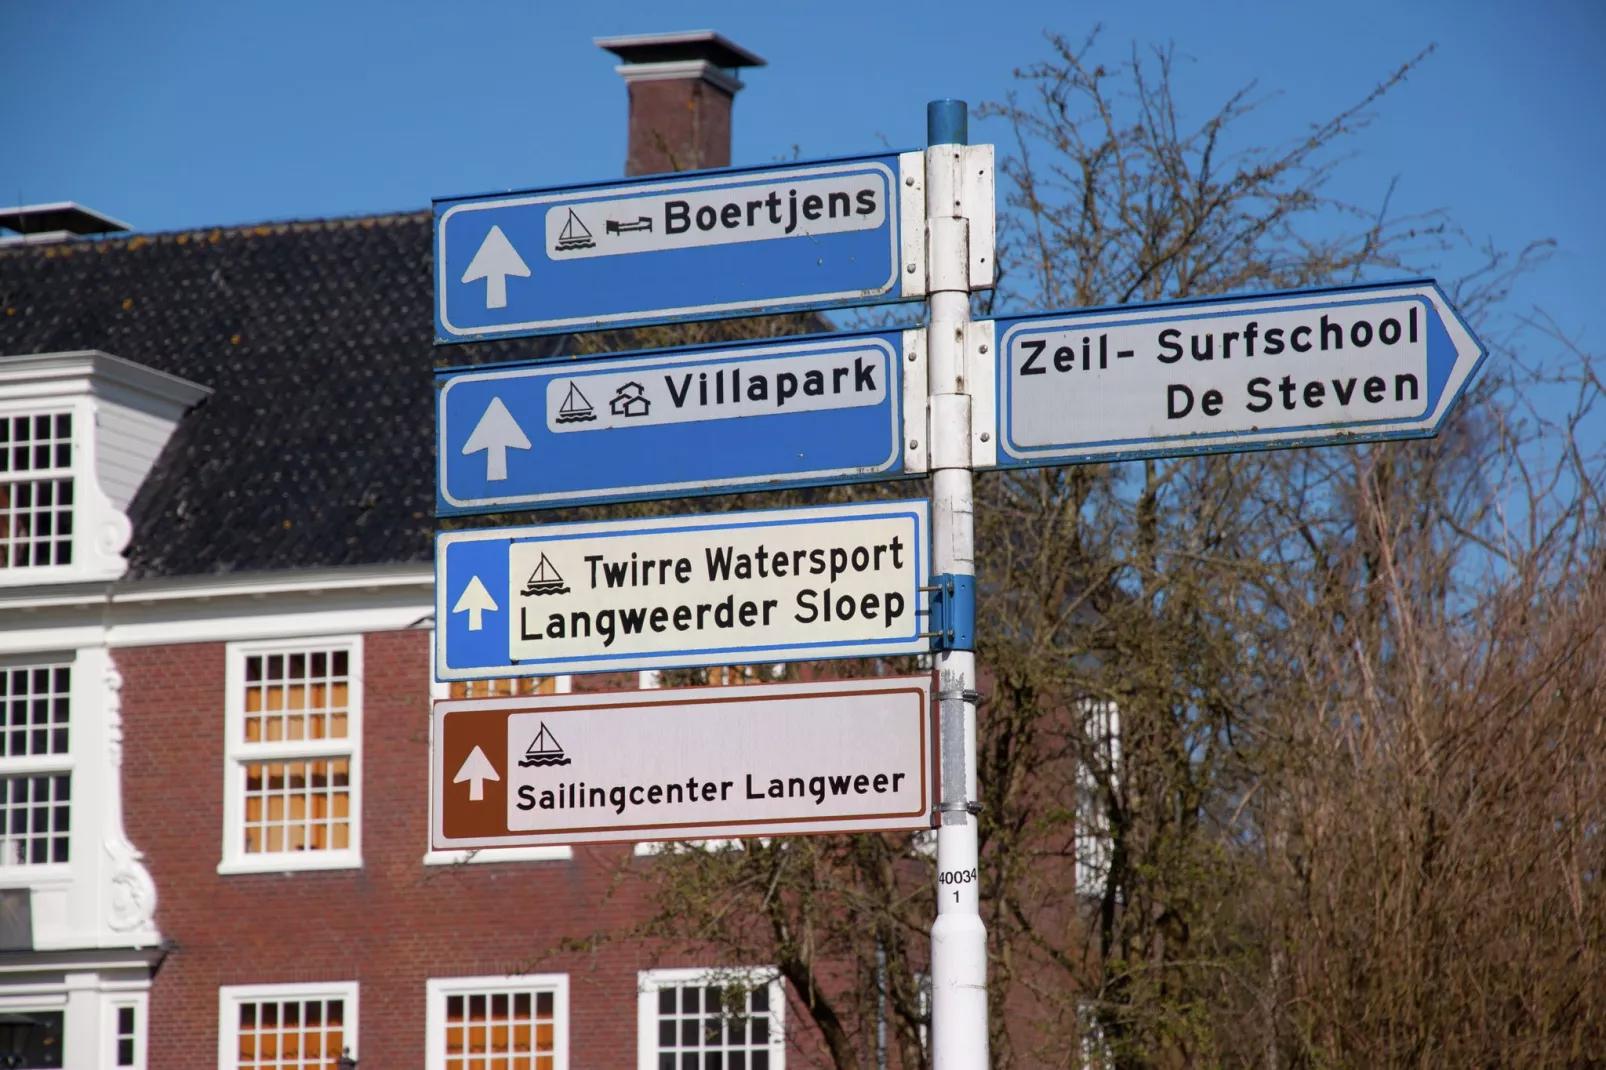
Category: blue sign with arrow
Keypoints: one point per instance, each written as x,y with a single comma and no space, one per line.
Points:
1305,368
833,581
682,246
671,423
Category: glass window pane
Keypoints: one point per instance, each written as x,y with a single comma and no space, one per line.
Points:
500,1030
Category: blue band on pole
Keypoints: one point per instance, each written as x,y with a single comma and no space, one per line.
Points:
947,123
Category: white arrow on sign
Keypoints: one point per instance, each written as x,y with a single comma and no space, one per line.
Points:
475,601
496,433
496,260
477,769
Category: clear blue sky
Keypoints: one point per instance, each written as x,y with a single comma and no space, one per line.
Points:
178,114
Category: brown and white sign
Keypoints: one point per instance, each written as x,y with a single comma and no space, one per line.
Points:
683,763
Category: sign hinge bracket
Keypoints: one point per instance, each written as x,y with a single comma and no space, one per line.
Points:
953,611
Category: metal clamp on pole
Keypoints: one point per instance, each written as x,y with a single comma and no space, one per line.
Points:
953,612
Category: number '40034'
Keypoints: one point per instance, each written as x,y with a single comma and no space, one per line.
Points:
957,876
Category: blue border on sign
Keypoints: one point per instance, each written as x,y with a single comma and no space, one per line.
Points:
705,172
916,510
704,651
885,164
888,467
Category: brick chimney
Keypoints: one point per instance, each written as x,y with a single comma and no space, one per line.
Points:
681,87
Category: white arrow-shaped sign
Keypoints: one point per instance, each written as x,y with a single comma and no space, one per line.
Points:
1267,371
477,769
475,601
496,433
496,260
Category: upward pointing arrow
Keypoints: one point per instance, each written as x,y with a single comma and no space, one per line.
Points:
477,769
496,433
475,600
496,260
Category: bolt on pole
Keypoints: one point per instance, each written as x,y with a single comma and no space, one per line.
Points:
958,937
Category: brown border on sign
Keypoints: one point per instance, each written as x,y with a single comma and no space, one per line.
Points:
669,698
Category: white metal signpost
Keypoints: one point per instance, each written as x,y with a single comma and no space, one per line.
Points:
684,763
958,937
1294,369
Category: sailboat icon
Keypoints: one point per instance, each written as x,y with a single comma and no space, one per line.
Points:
544,750
575,408
545,580
575,235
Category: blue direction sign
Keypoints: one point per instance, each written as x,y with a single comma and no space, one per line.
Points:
709,420
679,246
1305,368
779,585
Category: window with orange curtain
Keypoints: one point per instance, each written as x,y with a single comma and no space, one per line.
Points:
505,688
294,745
498,1023
729,675
279,1027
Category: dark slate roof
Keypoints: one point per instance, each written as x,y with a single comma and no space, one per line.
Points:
316,448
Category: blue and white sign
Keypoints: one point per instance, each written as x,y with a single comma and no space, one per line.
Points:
1306,368
835,581
680,246
709,420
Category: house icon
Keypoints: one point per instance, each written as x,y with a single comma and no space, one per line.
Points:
631,400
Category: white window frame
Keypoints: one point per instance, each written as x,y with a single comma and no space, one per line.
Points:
438,988
229,998
12,575
113,1002
36,765
1093,844
1092,1048
52,1000
237,754
648,982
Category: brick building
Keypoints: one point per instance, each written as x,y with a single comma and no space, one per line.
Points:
216,518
